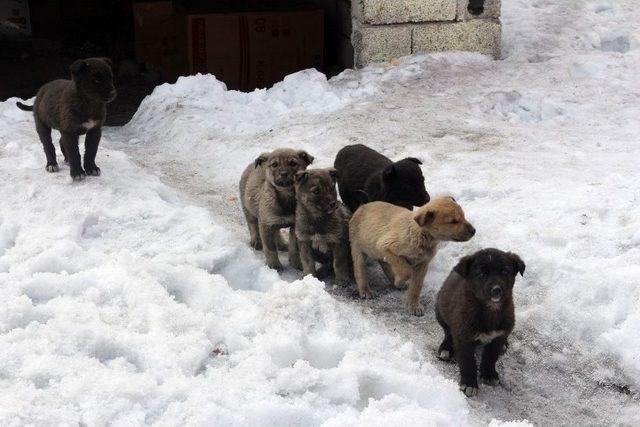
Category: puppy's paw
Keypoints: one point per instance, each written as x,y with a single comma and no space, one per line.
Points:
276,265
416,309
52,168
295,263
342,282
490,378
469,391
366,293
444,355
256,244
78,174
92,170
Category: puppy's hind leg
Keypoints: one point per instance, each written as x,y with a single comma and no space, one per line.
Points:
445,351
254,232
91,141
341,267
360,272
44,132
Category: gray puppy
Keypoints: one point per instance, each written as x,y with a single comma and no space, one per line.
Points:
74,107
322,224
268,201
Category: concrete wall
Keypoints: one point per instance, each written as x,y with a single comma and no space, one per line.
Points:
386,29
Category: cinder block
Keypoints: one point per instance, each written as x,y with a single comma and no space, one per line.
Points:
476,35
491,9
380,43
403,11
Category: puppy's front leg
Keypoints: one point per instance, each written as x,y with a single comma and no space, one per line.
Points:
294,253
268,237
91,141
70,143
360,271
306,256
341,257
490,356
415,288
466,358
401,269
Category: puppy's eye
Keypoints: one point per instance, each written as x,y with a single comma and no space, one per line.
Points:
316,191
293,163
274,164
454,221
97,80
506,271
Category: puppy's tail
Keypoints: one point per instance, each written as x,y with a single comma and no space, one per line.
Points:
24,107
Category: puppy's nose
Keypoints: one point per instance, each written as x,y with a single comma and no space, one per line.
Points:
284,174
472,230
496,292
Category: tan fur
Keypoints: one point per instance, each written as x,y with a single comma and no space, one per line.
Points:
405,240
269,204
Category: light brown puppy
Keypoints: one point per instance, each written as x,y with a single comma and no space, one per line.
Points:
268,201
405,240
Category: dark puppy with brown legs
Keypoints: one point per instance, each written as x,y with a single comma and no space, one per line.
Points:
322,225
364,175
475,307
74,107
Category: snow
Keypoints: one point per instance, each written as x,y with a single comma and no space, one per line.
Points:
133,298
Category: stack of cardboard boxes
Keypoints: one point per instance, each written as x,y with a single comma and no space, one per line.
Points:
246,49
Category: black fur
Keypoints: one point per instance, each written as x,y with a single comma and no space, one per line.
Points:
474,301
364,175
475,7
74,107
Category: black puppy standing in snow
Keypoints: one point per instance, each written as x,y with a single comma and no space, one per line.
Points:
475,307
364,175
74,107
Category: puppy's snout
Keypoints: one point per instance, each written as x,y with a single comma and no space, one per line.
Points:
471,229
496,293
284,174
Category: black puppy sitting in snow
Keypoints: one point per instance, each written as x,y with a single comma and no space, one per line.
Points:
74,107
475,307
364,175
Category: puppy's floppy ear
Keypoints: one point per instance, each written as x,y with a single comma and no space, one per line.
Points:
261,159
462,268
301,177
362,197
424,217
389,172
308,158
414,160
333,173
78,67
517,262
108,61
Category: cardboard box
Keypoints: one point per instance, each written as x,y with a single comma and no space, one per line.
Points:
254,49
246,50
160,42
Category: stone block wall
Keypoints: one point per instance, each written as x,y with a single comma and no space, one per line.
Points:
386,29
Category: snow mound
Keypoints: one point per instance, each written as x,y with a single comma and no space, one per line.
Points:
121,304
512,106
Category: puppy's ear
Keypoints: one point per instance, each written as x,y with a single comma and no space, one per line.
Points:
78,67
389,172
261,159
306,157
517,262
333,174
414,160
453,199
424,217
301,177
108,61
462,268
362,197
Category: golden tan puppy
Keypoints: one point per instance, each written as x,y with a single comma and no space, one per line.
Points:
268,201
404,240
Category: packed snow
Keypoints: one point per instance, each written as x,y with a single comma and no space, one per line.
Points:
133,298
